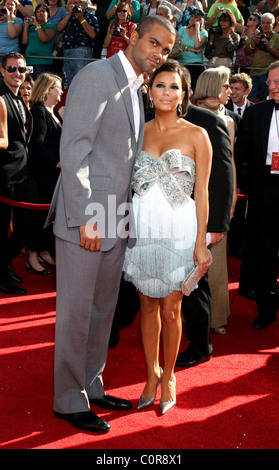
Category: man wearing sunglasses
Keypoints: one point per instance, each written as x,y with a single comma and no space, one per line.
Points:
15,179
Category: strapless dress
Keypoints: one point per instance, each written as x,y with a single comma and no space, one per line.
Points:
165,220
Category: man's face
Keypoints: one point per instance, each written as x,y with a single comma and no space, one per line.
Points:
13,80
79,3
239,93
151,50
266,26
162,12
273,83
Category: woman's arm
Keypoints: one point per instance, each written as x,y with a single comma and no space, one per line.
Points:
25,32
203,158
212,15
14,28
61,25
199,40
45,35
108,37
3,125
26,10
111,11
232,44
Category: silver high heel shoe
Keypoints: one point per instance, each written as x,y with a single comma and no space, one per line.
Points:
145,402
166,406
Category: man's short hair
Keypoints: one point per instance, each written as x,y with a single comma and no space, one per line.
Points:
11,55
148,21
270,16
274,65
166,9
243,78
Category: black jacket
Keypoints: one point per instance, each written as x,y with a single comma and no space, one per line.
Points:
14,165
221,177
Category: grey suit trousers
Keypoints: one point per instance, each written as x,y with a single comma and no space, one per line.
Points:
86,300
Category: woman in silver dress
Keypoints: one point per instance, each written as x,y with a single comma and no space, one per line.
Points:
171,226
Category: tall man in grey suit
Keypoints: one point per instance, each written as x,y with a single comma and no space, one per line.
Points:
102,134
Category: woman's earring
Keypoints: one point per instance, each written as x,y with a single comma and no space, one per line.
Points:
179,108
151,104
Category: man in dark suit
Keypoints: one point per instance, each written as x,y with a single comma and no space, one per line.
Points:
197,307
15,179
241,85
258,146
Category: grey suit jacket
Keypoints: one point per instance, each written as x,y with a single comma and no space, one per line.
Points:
97,153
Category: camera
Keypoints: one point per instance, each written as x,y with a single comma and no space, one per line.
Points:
77,9
116,31
29,20
216,31
3,10
262,45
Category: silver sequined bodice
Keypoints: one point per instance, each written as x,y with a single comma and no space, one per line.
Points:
173,172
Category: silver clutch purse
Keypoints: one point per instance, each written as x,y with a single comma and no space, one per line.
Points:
192,279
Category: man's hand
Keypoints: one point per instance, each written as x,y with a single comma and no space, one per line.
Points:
90,237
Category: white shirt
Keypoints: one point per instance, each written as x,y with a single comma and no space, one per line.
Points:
235,108
273,139
134,83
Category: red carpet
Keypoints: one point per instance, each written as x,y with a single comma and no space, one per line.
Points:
230,402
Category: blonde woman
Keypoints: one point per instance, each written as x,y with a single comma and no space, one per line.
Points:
44,158
10,27
267,6
212,93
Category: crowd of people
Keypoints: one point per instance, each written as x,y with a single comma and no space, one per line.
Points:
168,174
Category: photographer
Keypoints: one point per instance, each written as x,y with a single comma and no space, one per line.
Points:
223,41
39,36
79,27
218,8
10,27
119,32
265,47
194,38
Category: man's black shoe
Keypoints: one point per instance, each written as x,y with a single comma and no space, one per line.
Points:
111,403
262,321
86,421
249,294
13,276
185,359
7,287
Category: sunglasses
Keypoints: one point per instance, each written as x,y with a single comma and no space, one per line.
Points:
122,11
224,19
13,68
252,19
